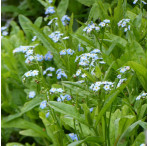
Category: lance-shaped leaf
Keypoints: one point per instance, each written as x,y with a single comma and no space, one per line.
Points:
67,110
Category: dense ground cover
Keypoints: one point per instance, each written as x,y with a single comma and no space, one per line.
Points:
75,76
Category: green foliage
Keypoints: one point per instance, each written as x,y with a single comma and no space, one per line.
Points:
97,98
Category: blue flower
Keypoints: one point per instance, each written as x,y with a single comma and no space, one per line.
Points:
60,73
70,52
28,74
32,94
102,24
34,38
91,109
48,56
80,48
55,36
50,22
52,90
68,97
34,72
39,57
43,104
29,52
65,38
50,10
50,1
73,136
47,115
135,1
65,19
106,21
50,69
63,52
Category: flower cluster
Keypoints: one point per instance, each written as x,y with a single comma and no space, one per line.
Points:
50,1
50,22
65,20
106,86
143,95
73,136
49,69
120,82
63,97
80,48
48,56
124,69
90,27
135,1
60,73
56,90
22,49
32,94
124,23
4,30
55,36
50,10
78,72
93,26
87,59
31,73
67,51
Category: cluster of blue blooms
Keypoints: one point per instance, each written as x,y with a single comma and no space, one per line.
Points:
56,90
80,48
135,1
29,54
55,36
50,10
88,59
48,69
122,71
4,30
143,95
124,23
73,136
65,20
63,97
93,26
106,86
31,73
60,73
67,51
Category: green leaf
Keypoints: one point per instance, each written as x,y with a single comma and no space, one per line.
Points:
14,143
141,72
62,8
84,40
27,107
23,124
86,2
67,110
29,132
23,22
90,139
50,128
38,21
131,128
